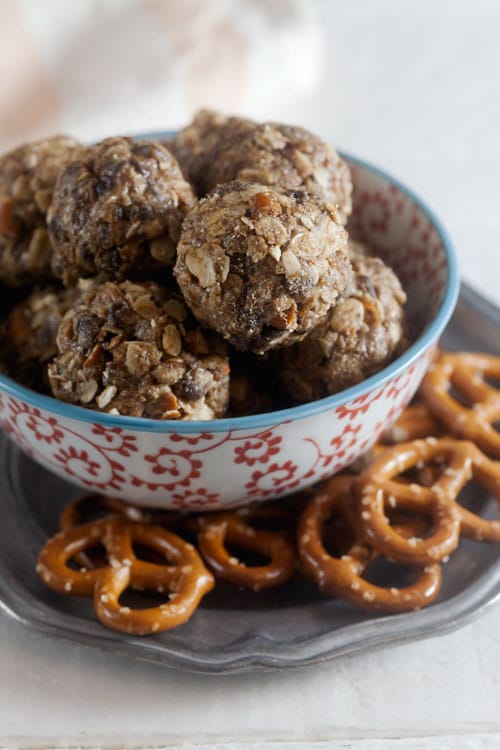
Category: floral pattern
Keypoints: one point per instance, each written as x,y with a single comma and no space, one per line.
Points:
258,450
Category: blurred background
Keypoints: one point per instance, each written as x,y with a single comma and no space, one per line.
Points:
411,86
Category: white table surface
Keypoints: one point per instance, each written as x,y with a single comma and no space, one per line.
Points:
414,87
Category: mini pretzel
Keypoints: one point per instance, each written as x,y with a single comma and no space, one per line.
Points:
466,373
229,528
378,488
82,508
183,575
344,576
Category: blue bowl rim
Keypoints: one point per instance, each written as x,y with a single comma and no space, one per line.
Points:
272,418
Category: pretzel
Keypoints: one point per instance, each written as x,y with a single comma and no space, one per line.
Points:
82,508
378,488
466,373
221,529
345,576
183,574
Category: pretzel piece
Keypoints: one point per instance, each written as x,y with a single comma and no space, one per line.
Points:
345,576
466,373
183,575
221,529
378,488
82,509
53,560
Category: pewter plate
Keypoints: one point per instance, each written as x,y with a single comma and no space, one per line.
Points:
234,631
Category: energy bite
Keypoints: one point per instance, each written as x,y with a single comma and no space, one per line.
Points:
29,334
214,150
27,178
262,265
201,143
132,348
360,335
118,211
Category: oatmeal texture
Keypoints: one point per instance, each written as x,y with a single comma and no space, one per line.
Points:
118,211
133,348
203,141
28,175
262,265
214,150
29,334
361,334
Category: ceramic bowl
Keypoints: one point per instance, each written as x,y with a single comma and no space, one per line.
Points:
226,462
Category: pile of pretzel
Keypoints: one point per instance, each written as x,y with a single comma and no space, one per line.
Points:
401,507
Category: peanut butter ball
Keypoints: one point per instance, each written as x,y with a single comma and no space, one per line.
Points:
28,175
133,348
262,265
215,149
361,334
29,334
118,211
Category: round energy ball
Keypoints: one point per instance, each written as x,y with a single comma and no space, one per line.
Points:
200,144
132,348
29,334
27,178
360,335
262,265
215,149
118,211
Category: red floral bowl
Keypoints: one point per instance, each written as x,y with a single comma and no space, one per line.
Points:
226,462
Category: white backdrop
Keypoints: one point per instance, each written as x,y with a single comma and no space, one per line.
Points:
413,86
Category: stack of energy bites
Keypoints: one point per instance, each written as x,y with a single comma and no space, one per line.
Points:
161,279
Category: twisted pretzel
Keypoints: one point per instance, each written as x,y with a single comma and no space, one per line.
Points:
230,528
183,575
81,510
378,488
345,576
466,373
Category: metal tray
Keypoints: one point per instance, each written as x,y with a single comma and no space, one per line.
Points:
233,631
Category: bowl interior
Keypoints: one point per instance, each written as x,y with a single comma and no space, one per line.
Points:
404,233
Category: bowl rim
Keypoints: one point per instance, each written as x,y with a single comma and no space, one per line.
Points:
302,411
